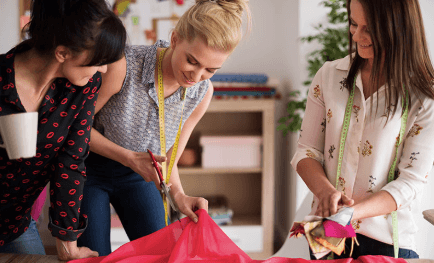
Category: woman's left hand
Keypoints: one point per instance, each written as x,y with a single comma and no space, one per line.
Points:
188,205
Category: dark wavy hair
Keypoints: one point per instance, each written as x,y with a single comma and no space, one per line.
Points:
78,25
398,38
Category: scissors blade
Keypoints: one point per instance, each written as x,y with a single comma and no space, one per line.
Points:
166,192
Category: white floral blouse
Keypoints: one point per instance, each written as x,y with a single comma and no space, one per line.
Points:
369,149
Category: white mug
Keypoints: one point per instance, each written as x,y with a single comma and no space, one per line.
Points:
19,133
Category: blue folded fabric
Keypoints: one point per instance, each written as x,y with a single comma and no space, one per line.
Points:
252,78
244,93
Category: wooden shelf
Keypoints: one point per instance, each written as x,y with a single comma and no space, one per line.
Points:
247,105
245,220
202,171
429,215
249,191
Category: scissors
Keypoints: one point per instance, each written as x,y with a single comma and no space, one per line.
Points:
165,190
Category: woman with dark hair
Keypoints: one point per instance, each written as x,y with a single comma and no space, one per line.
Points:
367,136
57,73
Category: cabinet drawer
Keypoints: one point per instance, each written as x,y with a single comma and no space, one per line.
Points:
248,238
118,237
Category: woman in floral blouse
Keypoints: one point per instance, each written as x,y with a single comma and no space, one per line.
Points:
390,63
57,73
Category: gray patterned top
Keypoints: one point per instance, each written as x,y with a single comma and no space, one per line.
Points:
130,117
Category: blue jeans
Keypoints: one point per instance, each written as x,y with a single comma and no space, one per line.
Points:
369,246
138,204
28,243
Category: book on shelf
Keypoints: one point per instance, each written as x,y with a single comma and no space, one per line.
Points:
218,210
245,93
238,89
244,86
240,78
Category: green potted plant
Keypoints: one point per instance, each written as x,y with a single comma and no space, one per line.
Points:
334,45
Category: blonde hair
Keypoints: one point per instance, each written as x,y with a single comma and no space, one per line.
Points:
218,22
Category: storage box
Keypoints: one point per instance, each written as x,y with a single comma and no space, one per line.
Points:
231,151
249,238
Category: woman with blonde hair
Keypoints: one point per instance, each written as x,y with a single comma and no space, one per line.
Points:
375,107
120,171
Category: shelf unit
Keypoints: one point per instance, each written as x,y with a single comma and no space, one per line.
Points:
250,191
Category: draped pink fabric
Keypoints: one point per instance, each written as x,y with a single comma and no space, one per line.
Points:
39,203
186,241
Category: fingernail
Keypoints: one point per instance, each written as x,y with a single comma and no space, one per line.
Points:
195,220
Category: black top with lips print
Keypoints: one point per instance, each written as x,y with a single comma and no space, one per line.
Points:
64,125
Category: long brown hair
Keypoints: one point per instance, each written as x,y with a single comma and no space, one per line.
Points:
398,38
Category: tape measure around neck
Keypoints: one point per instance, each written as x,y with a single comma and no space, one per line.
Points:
166,171
391,175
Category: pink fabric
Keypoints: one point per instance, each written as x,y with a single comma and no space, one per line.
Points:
333,229
186,241
39,203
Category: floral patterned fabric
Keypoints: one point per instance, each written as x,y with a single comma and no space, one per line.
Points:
369,149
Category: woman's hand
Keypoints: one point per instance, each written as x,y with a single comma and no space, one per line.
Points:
68,250
141,163
188,205
330,201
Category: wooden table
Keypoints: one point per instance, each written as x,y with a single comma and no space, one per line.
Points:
429,215
20,258
16,258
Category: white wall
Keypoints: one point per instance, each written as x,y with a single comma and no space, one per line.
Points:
310,13
425,236
9,25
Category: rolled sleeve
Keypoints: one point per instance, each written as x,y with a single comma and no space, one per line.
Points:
312,133
66,221
417,158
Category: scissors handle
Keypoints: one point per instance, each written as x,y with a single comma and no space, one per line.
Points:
154,162
164,188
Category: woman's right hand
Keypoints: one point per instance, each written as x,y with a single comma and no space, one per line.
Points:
141,163
68,250
330,201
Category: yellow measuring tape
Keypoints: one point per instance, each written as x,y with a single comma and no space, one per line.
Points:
166,173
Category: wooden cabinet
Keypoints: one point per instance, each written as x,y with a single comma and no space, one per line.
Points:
250,191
